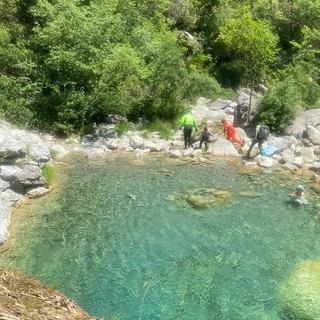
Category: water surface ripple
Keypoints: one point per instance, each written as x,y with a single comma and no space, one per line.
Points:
112,238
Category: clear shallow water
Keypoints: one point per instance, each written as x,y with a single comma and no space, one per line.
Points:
110,238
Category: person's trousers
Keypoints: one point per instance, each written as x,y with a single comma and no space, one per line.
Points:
187,137
253,143
205,141
234,138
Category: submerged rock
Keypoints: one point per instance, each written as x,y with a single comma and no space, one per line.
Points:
299,294
204,198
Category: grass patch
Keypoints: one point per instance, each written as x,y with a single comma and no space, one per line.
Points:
49,172
164,128
123,127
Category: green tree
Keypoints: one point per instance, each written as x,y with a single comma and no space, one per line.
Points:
251,46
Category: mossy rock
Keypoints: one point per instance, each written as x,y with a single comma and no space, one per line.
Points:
299,294
204,198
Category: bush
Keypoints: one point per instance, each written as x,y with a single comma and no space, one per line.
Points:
279,106
202,85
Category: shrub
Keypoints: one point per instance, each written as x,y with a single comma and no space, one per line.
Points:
280,105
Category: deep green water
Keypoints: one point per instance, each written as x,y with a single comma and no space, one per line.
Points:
110,238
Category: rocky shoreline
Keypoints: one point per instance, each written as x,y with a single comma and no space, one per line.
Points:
24,156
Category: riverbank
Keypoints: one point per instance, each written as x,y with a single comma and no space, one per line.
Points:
25,155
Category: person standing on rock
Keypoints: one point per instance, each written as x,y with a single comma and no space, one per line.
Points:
229,132
261,135
188,122
205,137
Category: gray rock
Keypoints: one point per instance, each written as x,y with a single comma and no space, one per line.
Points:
264,162
175,154
225,148
279,143
287,155
307,155
22,177
136,142
298,127
147,144
8,200
37,192
313,134
111,144
290,167
11,147
314,166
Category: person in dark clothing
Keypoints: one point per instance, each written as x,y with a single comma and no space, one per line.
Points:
205,134
261,135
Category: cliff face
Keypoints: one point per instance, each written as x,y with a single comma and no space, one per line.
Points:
23,297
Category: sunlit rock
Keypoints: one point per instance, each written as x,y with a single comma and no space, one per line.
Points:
136,142
264,162
223,147
37,192
176,154
22,177
111,144
299,294
313,134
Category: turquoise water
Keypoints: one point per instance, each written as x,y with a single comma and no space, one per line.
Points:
117,239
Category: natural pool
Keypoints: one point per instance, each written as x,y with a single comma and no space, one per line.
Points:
111,238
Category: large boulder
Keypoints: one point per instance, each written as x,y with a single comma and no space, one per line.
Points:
11,147
224,148
23,177
298,126
299,294
313,134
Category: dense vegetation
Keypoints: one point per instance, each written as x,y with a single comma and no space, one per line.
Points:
65,64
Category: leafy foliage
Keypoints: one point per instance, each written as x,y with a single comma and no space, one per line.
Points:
66,64
280,105
252,46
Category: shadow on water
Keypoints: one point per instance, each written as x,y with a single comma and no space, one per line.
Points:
121,239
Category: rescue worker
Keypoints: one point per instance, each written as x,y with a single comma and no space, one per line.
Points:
188,122
229,132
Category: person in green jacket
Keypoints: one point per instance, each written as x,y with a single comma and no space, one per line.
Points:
187,123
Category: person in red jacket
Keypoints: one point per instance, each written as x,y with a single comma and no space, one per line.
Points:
230,132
